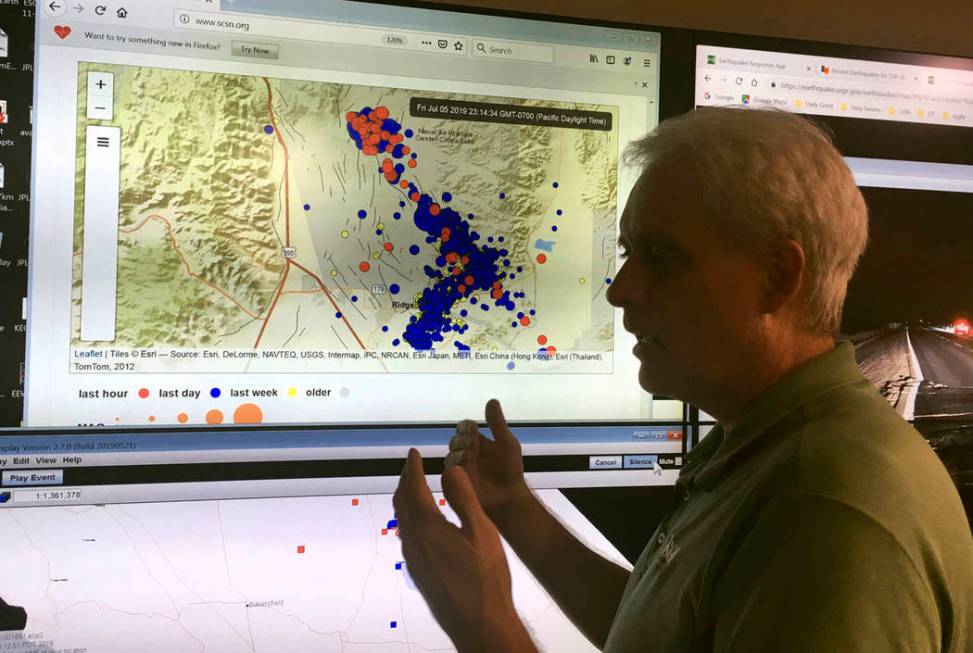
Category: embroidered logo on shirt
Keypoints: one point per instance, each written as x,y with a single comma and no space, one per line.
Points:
666,550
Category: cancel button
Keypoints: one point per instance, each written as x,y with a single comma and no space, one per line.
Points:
604,462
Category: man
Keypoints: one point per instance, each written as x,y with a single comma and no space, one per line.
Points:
812,518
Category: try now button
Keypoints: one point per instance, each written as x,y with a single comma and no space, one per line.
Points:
604,462
45,477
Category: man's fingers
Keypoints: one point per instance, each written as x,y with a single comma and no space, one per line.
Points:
413,500
467,439
459,491
498,424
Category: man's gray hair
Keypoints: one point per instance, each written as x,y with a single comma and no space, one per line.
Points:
765,175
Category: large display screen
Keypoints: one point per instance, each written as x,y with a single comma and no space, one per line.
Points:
139,557
360,214
905,125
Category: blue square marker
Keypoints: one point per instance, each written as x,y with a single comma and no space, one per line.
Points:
394,624
398,565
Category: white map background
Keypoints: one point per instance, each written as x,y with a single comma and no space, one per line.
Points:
226,576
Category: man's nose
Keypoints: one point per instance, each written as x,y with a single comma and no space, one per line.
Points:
616,289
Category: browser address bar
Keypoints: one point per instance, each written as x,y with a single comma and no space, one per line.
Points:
278,28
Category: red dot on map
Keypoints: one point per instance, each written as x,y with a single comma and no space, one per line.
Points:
389,247
412,163
434,209
551,349
542,258
144,393
542,339
364,266
525,321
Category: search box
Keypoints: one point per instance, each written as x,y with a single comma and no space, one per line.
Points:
513,50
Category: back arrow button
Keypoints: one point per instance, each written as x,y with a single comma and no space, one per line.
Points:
55,8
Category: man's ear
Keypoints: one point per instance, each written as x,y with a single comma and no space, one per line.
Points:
784,275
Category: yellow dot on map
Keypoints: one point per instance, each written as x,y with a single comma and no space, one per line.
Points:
381,225
582,281
291,392
334,273
376,255
276,121
345,234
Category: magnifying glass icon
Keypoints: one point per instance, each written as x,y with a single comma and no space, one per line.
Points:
481,48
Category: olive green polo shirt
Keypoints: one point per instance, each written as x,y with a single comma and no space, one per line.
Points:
821,522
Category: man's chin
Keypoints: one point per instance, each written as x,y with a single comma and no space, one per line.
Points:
653,382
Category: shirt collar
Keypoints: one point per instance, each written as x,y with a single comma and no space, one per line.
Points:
821,374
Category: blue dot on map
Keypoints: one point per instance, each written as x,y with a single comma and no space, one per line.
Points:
559,212
362,213
394,289
307,207
338,315
554,228
385,328
447,196
268,129
414,250
503,195
555,184
354,298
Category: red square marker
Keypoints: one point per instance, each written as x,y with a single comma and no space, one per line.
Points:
385,531
300,549
354,502
442,502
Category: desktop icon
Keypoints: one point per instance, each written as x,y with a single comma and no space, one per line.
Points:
610,59
825,69
931,79
745,99
711,59
627,61
3,44
1,176
4,116
62,31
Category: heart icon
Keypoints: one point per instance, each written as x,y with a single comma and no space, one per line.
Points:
63,31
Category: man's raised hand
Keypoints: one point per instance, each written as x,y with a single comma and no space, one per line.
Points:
461,571
495,467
